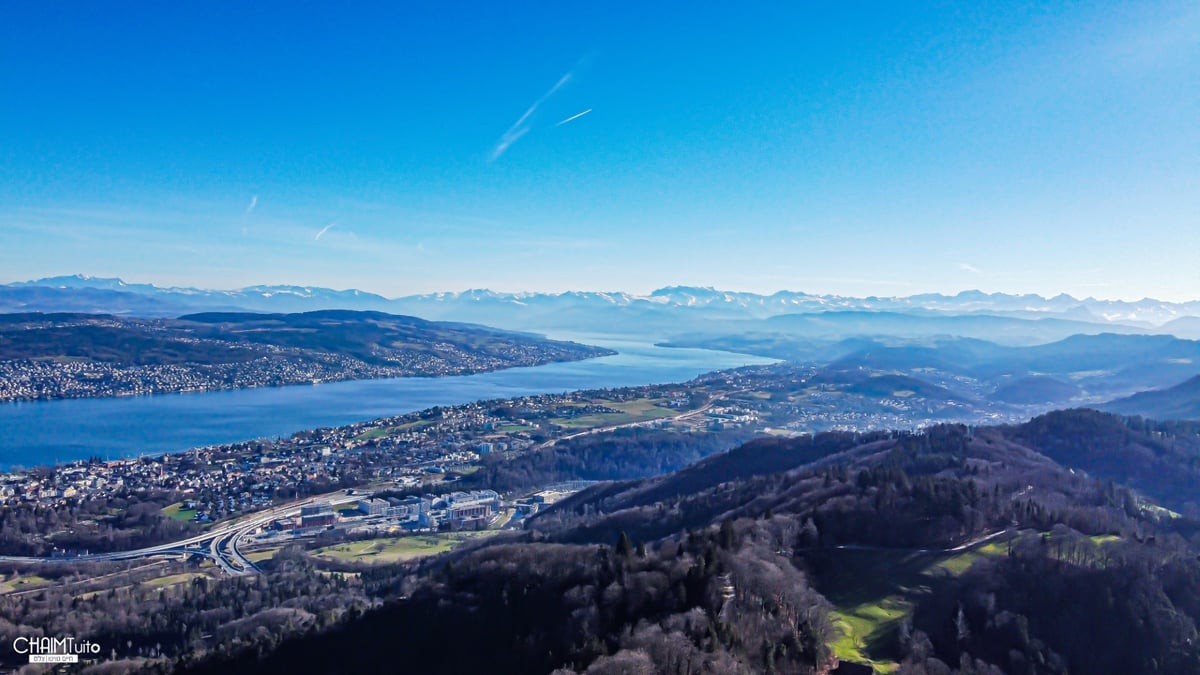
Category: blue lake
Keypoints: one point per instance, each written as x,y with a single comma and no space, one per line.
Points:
47,432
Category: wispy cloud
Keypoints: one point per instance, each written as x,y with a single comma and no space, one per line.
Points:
1156,39
324,230
520,128
969,268
253,203
574,117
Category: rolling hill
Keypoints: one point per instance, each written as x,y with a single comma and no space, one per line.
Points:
1181,402
1033,389
86,355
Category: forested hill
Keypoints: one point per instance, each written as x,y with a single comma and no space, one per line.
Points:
1180,402
84,355
1159,459
1010,550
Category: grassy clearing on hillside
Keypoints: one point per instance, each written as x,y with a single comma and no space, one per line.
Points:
874,590
861,628
961,562
870,591
172,579
264,554
177,512
22,583
396,549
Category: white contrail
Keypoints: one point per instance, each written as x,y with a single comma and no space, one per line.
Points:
324,230
511,136
253,203
574,117
516,131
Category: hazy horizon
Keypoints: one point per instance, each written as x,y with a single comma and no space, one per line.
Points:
632,292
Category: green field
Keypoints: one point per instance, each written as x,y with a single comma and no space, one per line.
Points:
22,583
961,562
173,579
373,433
870,594
388,431
177,512
872,591
637,410
396,549
863,627
264,554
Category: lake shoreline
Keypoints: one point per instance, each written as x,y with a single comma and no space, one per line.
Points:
40,433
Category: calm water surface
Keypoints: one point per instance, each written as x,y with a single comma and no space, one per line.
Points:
45,432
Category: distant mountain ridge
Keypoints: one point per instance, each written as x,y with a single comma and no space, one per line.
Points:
1181,402
74,292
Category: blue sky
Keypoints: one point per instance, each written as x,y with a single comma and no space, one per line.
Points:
853,148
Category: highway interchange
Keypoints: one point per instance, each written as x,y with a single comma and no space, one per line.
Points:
223,543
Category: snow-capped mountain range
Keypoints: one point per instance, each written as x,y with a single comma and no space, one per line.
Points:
676,308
